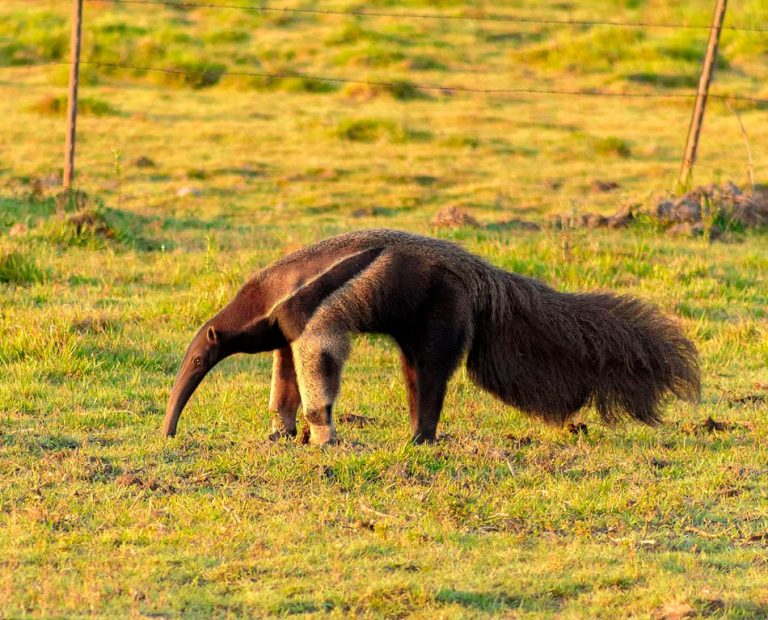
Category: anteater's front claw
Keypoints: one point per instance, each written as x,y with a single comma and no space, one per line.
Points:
278,435
279,431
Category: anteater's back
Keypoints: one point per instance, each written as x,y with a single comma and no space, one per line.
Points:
484,283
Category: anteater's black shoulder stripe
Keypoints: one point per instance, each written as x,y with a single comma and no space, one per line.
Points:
294,311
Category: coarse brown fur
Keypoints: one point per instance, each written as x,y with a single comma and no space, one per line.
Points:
545,352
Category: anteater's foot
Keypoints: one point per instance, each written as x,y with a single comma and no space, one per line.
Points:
279,434
422,437
322,435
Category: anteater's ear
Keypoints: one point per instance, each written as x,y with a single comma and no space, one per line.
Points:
212,336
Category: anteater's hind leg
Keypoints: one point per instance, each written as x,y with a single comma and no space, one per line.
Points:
320,354
430,356
284,397
426,379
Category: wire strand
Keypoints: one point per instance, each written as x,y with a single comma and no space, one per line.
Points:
421,87
399,84
442,16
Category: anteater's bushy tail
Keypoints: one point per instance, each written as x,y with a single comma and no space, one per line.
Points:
549,353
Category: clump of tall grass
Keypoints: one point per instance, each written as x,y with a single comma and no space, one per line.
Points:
56,105
187,71
92,226
596,50
611,146
376,129
371,55
86,227
34,35
286,80
17,267
402,90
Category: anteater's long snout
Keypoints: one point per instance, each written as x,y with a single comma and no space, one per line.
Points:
183,388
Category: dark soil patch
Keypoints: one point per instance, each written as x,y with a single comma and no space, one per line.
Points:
748,399
710,425
724,203
355,420
90,222
132,479
707,211
144,162
603,186
454,217
519,442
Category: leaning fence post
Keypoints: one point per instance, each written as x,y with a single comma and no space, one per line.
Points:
697,118
74,79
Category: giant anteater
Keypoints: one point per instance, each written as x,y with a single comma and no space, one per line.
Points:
545,352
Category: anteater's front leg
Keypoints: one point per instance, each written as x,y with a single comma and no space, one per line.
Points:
320,355
284,398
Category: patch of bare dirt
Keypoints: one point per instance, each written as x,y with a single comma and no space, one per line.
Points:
354,419
89,221
758,537
748,208
454,217
18,230
144,162
373,212
697,229
707,211
710,425
134,480
748,399
725,203
519,442
704,211
622,218
675,611
600,186
514,224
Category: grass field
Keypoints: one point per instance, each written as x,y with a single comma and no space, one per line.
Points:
192,186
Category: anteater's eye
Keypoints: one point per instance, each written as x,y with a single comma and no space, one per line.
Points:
197,361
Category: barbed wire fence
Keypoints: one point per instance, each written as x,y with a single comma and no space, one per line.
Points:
182,4
699,97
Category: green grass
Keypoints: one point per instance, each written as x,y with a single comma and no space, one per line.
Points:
17,267
100,516
86,106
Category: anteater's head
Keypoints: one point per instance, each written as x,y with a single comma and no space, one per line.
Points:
205,351
230,331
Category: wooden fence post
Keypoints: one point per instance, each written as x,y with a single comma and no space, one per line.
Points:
697,118
74,80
